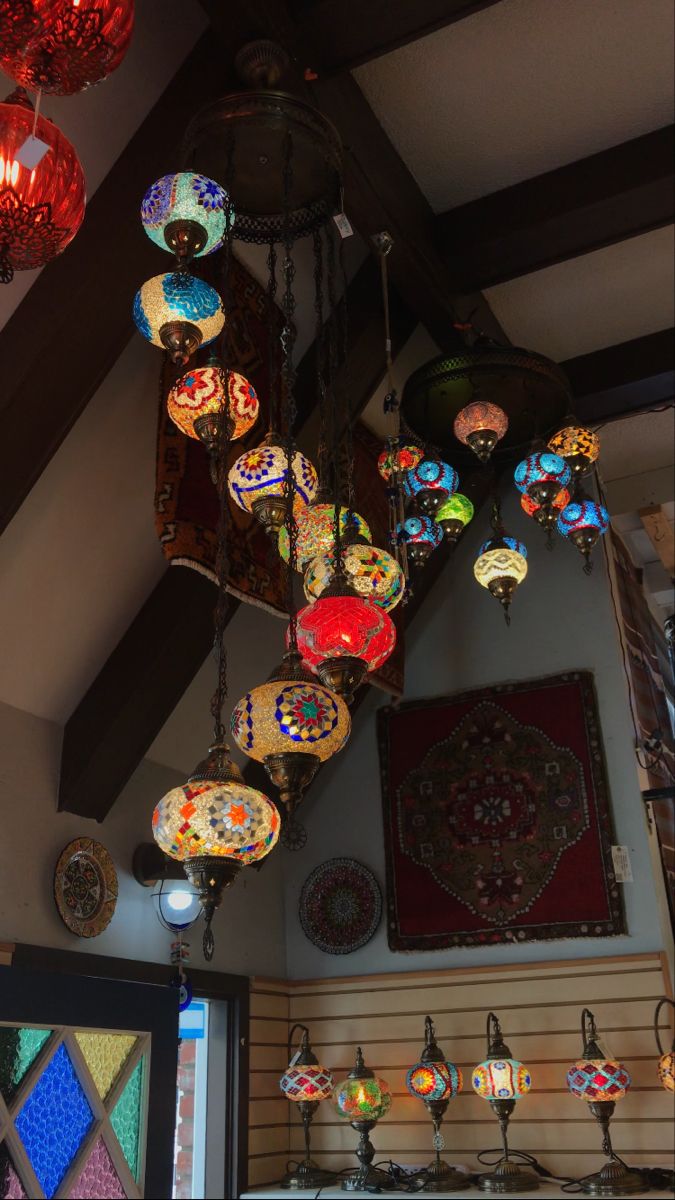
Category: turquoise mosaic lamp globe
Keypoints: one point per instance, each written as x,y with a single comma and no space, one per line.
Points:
430,483
583,522
178,313
186,213
541,476
422,536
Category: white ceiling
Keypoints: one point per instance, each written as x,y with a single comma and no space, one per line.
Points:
522,87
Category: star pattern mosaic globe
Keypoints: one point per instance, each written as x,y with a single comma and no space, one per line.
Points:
578,444
501,1079
431,475
262,472
338,626
202,391
186,196
540,468
362,1099
316,532
434,1080
598,1079
499,557
585,514
177,296
404,458
279,717
222,819
311,1082
372,572
666,1071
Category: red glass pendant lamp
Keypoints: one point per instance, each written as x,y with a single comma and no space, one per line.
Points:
64,46
41,202
342,636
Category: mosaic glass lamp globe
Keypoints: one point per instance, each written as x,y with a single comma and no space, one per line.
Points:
186,213
363,1099
316,531
545,515
178,313
257,482
422,536
666,1064
500,567
436,1082
200,399
342,636
41,202
400,458
480,426
583,522
541,476
373,573
502,1080
306,1083
430,483
69,44
454,515
579,446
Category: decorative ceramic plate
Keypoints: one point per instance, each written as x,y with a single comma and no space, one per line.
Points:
85,887
340,906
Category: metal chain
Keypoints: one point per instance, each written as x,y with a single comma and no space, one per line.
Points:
288,384
322,451
273,380
395,492
337,480
346,375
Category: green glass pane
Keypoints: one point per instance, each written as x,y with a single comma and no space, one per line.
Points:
18,1050
126,1118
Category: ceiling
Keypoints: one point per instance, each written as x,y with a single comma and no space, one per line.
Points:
505,94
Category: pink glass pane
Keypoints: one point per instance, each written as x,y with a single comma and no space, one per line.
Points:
11,1187
99,1177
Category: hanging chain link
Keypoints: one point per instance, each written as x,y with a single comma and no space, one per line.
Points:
288,385
322,452
395,493
273,374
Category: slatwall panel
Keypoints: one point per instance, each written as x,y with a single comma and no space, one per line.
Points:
269,1131
539,1006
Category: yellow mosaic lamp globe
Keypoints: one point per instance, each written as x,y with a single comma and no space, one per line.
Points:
372,573
579,447
500,567
200,399
666,1064
257,482
316,532
502,1081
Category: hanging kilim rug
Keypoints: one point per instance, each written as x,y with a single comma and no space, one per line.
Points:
496,817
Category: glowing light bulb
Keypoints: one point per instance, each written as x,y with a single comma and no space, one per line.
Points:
179,901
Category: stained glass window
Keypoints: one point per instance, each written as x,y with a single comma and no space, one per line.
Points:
105,1055
54,1120
126,1117
11,1187
99,1177
18,1049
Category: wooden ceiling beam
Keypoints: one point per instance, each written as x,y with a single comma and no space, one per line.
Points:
627,378
575,209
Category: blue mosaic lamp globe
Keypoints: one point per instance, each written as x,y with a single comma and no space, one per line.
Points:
583,522
186,213
430,482
421,536
178,313
541,476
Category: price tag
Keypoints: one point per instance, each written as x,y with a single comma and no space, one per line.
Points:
344,228
622,867
31,152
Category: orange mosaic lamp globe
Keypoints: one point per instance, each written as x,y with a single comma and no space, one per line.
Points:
480,426
42,198
398,458
68,45
579,446
200,399
666,1063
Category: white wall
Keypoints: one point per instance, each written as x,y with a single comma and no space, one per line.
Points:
561,620
249,928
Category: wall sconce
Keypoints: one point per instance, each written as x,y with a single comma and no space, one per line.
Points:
306,1083
502,1080
435,1081
601,1081
667,1060
363,1099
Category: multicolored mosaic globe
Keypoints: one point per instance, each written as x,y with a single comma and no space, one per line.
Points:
541,468
599,1079
431,475
202,391
576,442
277,717
316,532
585,514
404,458
222,819
530,506
421,529
262,472
498,558
185,196
311,1082
372,572
362,1099
177,296
501,1079
666,1070
339,626
434,1081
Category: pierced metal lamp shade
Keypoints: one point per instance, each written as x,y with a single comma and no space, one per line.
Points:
579,447
279,717
501,1079
404,458
228,820
422,536
316,532
372,572
178,312
598,1079
201,392
261,473
173,203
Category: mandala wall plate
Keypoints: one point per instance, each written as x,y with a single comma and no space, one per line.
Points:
85,887
340,906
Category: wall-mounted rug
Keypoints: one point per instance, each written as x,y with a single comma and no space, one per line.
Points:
496,817
340,906
85,887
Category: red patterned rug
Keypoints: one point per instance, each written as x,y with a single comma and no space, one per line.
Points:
496,817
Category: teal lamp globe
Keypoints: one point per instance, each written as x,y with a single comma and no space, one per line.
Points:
583,522
186,213
430,482
178,313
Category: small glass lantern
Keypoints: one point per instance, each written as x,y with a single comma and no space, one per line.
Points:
363,1099
502,1080
430,483
601,1081
257,482
316,532
454,515
178,313
398,458
579,447
372,572
436,1082
186,213
306,1083
422,536
500,567
666,1067
480,426
583,522
342,637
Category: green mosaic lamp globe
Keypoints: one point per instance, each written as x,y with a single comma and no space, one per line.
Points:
454,515
363,1099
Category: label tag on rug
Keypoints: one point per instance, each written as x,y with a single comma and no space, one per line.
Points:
31,152
344,227
622,867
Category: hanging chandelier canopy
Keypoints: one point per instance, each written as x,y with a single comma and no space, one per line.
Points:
186,213
500,567
178,313
583,522
316,531
342,637
371,572
203,398
454,515
422,536
64,46
430,483
257,482
398,458
520,392
541,476
578,445
41,203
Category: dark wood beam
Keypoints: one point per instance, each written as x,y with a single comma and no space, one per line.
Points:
610,196
629,377
347,33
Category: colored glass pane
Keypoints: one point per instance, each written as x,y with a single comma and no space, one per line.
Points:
126,1118
105,1054
18,1049
54,1120
11,1187
99,1177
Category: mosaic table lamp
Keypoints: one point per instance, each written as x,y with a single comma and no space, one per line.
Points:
502,1080
436,1081
666,1066
306,1083
362,1099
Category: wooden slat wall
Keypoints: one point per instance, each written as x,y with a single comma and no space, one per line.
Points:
539,1006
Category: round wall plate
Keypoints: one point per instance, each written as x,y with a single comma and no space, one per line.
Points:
85,887
340,906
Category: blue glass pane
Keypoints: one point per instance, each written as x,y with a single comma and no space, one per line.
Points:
54,1120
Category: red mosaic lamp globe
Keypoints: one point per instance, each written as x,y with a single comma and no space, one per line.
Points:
203,399
41,202
480,426
342,636
68,45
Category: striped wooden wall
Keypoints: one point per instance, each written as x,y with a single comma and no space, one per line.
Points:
539,1006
